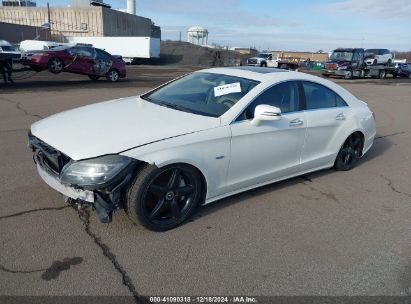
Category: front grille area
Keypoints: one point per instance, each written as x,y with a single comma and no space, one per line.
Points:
46,156
252,61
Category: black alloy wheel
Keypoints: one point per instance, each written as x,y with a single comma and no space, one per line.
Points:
162,198
349,153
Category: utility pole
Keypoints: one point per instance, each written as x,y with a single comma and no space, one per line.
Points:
49,22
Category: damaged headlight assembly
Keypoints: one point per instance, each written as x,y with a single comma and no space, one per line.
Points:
106,176
95,171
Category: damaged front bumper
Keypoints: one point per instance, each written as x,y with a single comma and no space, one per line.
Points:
105,197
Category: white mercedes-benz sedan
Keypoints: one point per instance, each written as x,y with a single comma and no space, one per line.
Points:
197,139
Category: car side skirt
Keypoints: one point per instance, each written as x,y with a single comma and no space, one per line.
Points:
216,198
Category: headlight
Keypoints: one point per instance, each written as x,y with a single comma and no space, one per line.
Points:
344,67
94,171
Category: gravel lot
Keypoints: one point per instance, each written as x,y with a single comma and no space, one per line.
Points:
326,233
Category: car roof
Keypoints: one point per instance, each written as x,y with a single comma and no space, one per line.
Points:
273,76
260,74
348,49
4,43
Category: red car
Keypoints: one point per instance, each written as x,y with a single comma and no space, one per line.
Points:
79,59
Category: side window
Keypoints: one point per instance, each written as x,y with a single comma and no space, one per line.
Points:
284,96
361,55
356,56
86,52
319,97
73,51
101,55
340,102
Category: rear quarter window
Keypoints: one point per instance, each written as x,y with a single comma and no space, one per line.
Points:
318,96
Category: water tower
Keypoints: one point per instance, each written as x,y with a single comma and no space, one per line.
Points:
197,35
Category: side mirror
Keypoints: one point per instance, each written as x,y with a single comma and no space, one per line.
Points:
265,112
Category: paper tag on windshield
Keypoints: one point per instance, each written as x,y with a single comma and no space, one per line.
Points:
227,89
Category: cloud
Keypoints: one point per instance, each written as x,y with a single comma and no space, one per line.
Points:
393,9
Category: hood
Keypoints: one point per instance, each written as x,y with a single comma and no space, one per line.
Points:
115,126
256,58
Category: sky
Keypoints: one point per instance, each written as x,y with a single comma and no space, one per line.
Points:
300,25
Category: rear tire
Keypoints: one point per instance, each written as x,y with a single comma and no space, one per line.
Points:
162,198
55,65
382,74
349,153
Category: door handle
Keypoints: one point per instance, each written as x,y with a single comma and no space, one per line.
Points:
296,122
340,116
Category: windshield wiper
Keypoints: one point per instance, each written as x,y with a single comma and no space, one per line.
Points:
175,107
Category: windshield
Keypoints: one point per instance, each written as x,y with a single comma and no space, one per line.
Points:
262,55
8,48
341,55
201,93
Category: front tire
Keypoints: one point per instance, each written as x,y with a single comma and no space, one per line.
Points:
113,75
264,65
162,198
349,153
